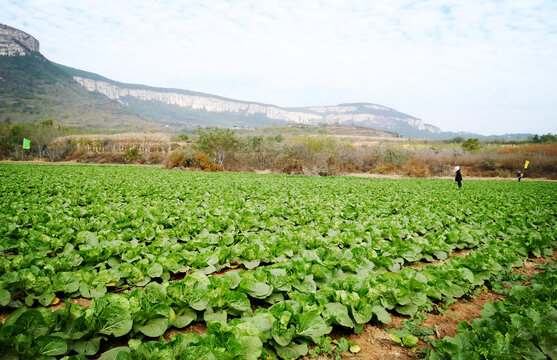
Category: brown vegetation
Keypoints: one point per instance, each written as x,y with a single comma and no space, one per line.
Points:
323,155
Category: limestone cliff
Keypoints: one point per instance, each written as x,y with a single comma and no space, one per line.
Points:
197,102
14,42
368,115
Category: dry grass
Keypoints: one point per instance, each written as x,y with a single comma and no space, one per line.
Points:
415,168
325,155
133,137
535,149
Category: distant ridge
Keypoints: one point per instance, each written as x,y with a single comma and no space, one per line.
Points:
34,89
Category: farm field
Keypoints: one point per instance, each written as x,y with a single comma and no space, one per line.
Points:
123,262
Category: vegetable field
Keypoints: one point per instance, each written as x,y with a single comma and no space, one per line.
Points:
267,265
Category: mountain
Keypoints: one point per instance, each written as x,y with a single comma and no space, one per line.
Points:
33,89
188,108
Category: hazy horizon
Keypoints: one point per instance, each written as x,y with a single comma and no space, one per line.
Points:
484,67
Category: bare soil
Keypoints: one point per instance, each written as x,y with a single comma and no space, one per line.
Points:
457,253
85,303
196,328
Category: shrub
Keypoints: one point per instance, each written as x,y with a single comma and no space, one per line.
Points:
132,154
415,168
396,157
177,158
384,168
59,150
202,161
187,158
487,164
471,144
292,166
219,143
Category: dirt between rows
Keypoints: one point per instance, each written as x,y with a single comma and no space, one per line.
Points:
395,176
457,253
375,343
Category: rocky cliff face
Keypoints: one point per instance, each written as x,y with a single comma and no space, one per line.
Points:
197,102
14,42
368,115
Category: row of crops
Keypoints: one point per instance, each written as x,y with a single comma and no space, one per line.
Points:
523,326
160,250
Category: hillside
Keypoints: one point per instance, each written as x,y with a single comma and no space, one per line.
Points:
34,89
335,130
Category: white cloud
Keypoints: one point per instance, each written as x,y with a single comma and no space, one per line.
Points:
481,66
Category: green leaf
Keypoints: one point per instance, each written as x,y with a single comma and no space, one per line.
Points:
198,300
312,325
215,316
409,340
363,313
5,297
185,318
292,351
154,327
408,309
396,338
87,347
232,278
251,264
155,270
336,313
113,353
51,346
381,314
419,299
491,309
115,320
257,290
466,274
46,299
264,323
31,323
283,335
252,346
238,301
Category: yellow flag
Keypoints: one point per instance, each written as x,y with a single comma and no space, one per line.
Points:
526,164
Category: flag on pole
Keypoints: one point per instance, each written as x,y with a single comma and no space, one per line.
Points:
526,164
26,144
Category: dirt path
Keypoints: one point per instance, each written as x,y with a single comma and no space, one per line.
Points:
394,176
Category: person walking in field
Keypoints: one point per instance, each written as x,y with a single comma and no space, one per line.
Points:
458,176
519,175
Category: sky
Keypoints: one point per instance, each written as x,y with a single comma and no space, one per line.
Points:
485,66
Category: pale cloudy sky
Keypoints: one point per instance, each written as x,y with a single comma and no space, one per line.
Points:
483,66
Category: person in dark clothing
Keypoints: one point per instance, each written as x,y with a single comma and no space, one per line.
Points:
458,176
519,175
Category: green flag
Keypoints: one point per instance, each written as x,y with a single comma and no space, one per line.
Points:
26,143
